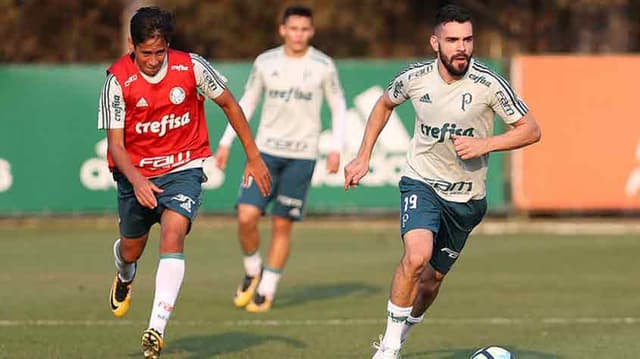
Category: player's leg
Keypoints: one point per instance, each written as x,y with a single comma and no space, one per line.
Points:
418,244
135,221
427,290
249,237
126,252
457,222
251,206
277,257
178,206
420,218
290,196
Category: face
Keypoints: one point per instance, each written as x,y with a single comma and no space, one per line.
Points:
297,31
453,41
149,55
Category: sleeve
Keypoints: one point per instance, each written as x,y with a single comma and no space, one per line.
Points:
249,101
397,89
111,108
505,102
208,80
335,98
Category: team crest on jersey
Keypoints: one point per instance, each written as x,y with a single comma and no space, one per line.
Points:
177,95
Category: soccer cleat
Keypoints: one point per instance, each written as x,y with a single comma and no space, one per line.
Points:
152,344
120,296
246,290
259,304
383,352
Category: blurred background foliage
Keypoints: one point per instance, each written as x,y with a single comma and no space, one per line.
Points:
60,31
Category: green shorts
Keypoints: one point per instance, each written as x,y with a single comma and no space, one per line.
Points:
182,194
450,222
291,179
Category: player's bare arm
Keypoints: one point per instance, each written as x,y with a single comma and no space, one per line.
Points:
256,168
523,132
359,166
143,188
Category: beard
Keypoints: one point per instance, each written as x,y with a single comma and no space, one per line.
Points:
448,64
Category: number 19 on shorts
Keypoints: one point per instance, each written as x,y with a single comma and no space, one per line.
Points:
410,202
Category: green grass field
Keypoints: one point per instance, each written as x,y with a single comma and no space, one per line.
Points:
544,296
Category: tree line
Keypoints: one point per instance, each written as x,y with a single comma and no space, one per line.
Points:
62,31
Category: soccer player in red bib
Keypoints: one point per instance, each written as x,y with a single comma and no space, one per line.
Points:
152,108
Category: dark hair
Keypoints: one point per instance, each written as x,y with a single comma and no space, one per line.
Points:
151,22
296,10
450,13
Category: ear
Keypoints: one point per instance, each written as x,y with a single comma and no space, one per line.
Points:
433,41
281,30
130,44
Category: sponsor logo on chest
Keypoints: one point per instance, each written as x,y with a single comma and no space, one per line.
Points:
445,132
161,127
291,93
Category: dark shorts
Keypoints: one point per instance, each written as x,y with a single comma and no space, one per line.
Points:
291,179
182,194
450,222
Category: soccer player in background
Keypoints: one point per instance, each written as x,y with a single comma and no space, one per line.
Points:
293,77
152,108
442,189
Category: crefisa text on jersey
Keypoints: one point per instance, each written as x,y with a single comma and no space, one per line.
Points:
160,127
447,128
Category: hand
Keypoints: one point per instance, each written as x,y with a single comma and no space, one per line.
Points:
145,191
258,171
222,156
333,162
354,171
469,147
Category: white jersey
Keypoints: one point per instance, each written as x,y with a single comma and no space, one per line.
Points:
293,88
465,107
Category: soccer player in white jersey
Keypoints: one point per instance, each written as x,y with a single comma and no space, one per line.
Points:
151,107
294,77
442,189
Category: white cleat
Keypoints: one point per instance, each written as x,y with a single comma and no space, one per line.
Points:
383,352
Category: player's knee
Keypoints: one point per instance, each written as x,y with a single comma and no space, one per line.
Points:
414,262
131,250
247,219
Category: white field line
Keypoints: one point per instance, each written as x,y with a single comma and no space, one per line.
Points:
325,322
558,227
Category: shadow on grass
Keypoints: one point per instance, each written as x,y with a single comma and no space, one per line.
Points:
312,293
208,346
466,354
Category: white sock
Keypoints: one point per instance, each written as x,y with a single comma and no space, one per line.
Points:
252,264
168,281
408,324
396,317
269,282
126,271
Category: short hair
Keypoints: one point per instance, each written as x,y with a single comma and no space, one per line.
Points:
296,10
452,12
151,22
